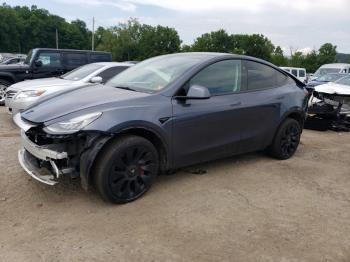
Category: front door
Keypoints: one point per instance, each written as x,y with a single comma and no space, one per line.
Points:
51,65
207,129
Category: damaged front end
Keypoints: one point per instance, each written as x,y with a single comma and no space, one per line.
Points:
49,158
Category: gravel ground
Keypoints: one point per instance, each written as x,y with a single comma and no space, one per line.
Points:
246,208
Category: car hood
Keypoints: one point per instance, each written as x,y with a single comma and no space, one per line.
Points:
333,88
13,67
40,84
99,97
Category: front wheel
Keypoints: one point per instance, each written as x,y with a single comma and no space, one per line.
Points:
286,140
125,169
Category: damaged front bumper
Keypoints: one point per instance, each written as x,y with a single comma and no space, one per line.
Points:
40,161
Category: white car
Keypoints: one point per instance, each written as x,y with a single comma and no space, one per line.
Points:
341,68
23,94
299,73
338,91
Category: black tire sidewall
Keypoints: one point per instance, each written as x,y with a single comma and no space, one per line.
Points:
105,163
275,148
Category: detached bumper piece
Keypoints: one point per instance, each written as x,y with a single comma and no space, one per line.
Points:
42,162
28,163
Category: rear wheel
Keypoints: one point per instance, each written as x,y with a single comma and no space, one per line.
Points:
3,86
286,140
125,169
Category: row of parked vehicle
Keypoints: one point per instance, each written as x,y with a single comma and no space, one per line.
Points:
116,126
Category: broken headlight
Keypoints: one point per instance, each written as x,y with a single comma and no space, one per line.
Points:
72,125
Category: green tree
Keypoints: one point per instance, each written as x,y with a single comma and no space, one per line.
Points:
135,41
217,41
327,54
278,57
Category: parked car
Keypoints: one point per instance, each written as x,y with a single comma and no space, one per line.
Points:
44,62
164,113
13,60
341,68
23,94
299,73
325,79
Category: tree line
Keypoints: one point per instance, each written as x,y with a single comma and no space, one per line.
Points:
23,28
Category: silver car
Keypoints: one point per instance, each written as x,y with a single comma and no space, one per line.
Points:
23,94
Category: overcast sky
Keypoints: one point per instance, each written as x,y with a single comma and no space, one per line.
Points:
296,24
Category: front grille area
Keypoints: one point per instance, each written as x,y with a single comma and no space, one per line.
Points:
10,94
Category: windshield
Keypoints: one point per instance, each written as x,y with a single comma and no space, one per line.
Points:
344,81
154,74
81,72
324,71
329,77
29,58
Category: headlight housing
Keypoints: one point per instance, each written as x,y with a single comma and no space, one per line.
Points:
72,125
30,93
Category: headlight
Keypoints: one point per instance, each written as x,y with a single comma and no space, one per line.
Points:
30,93
72,125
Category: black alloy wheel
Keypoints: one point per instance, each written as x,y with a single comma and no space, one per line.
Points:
127,169
286,140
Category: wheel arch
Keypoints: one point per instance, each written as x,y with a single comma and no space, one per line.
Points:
90,156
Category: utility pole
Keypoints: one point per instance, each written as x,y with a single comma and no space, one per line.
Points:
93,34
56,38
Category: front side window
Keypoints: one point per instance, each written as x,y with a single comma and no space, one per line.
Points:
220,78
301,73
50,59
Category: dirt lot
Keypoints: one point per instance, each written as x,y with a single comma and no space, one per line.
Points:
247,208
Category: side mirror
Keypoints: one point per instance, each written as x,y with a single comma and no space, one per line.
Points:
96,80
196,92
38,63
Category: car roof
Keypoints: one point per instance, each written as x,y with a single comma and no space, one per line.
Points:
70,50
110,64
298,68
211,55
335,65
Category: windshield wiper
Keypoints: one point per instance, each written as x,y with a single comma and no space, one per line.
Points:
127,88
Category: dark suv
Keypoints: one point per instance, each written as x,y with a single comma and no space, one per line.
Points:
164,113
45,62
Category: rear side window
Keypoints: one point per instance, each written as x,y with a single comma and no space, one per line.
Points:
100,58
301,73
74,59
295,72
223,77
50,59
260,76
110,72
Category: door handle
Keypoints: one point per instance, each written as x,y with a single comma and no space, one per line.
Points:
235,104
280,97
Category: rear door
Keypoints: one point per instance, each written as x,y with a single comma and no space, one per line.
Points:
72,60
267,91
210,128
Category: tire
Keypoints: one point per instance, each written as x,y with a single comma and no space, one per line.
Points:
3,86
125,169
286,140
